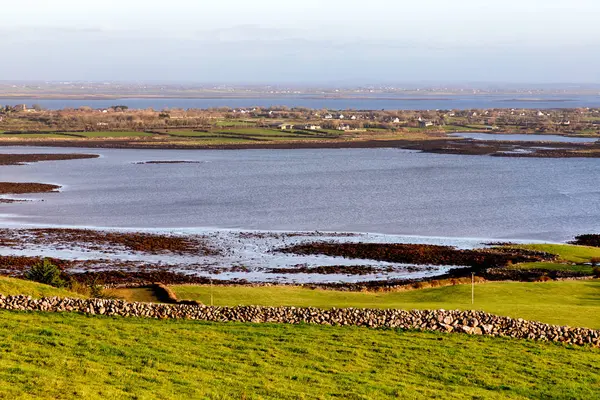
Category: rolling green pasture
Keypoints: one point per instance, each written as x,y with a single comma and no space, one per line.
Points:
73,356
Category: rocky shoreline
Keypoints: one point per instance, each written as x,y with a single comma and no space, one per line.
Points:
469,322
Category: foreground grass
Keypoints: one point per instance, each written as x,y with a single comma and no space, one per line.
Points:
74,356
574,303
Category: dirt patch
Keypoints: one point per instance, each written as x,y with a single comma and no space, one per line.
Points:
20,159
22,188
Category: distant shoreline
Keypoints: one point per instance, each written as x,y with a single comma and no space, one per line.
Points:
11,96
438,146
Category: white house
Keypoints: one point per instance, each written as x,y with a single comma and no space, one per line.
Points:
312,127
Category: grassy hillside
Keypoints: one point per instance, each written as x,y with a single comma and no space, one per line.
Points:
574,303
11,287
75,356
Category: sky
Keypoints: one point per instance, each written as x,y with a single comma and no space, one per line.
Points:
308,41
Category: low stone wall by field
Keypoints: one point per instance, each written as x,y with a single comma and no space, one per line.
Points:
470,322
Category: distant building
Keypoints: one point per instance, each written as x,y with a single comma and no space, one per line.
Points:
344,127
285,127
311,127
424,123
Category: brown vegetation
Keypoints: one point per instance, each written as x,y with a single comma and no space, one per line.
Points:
421,254
110,241
22,188
20,159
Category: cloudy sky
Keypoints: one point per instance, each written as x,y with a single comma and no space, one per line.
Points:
308,41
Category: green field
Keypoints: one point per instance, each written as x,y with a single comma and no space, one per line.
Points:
12,287
567,252
76,135
74,356
571,258
35,136
550,266
113,134
574,303
69,355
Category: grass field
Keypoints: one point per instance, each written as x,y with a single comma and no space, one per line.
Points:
567,252
75,135
68,355
74,356
12,287
113,134
35,136
550,266
574,303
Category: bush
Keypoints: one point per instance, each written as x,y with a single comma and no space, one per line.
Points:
45,272
92,288
597,272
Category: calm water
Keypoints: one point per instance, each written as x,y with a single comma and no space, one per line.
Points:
525,138
366,190
390,103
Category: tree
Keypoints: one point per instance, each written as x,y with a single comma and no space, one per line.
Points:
45,272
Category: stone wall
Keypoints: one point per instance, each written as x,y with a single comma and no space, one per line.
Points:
470,322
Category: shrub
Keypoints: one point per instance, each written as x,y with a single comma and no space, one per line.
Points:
96,290
597,272
45,272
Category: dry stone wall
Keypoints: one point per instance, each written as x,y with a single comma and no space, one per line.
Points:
470,322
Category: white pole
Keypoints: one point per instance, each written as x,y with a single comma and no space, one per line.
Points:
472,287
